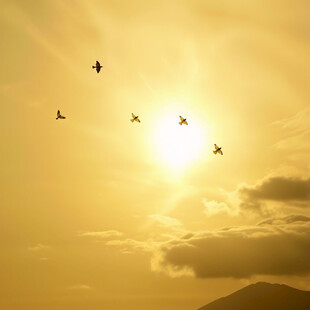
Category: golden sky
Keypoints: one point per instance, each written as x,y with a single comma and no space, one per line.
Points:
98,212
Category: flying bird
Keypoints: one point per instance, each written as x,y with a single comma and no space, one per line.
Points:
183,121
218,150
59,115
97,67
135,118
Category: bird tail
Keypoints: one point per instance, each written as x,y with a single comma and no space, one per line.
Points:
214,152
132,120
56,118
180,123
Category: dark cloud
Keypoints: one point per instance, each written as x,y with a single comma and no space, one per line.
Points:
285,220
279,189
282,249
265,198
291,191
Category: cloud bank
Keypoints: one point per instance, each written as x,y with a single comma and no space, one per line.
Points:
267,197
278,247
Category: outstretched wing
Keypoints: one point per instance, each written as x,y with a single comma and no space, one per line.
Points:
97,63
216,147
58,113
137,120
181,118
220,151
133,115
62,117
185,122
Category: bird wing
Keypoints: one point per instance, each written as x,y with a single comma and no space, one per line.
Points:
58,113
181,118
216,147
220,151
185,122
137,120
97,63
214,152
133,115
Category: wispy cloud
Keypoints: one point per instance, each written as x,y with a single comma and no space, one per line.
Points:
43,259
80,287
214,207
132,245
165,221
296,133
100,234
38,247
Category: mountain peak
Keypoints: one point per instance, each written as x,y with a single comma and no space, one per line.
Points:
263,296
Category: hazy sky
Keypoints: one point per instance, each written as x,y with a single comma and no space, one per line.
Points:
101,213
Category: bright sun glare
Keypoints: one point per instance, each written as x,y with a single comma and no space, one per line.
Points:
178,145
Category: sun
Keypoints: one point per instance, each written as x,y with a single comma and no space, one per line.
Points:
177,145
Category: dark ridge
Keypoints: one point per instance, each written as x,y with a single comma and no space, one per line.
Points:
263,296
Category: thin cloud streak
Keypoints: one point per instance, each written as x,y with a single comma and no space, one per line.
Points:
100,234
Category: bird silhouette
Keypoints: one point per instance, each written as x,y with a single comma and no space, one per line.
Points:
97,67
59,115
135,118
183,121
218,150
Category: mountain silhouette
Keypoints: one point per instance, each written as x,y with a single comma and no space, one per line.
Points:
263,296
